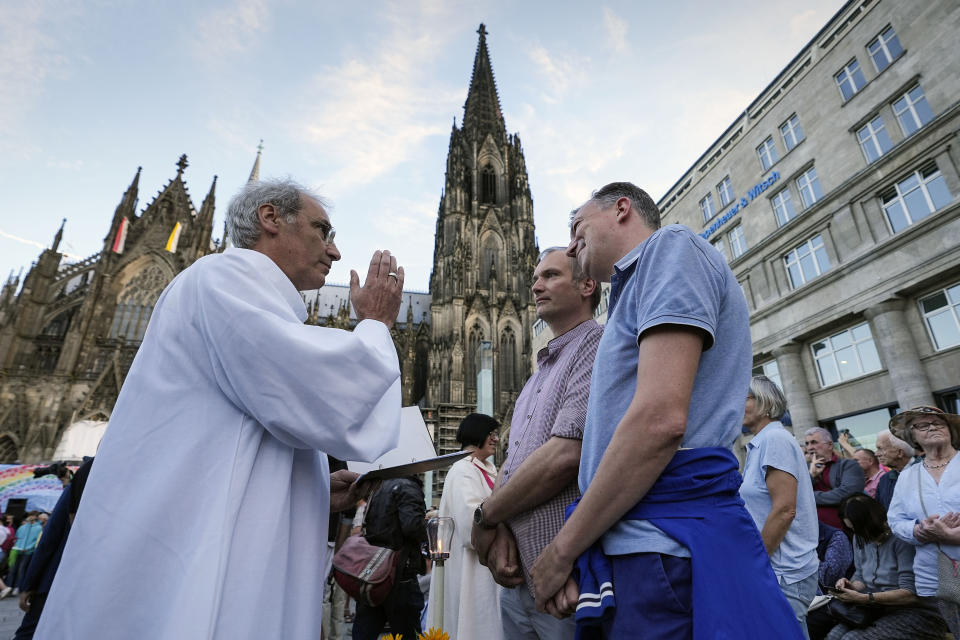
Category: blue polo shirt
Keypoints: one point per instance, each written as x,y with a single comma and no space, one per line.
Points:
672,277
775,448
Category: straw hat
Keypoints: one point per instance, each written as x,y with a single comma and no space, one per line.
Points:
899,423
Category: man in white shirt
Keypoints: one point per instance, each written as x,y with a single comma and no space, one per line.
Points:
206,514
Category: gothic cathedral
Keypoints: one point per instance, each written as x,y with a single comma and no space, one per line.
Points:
69,335
484,255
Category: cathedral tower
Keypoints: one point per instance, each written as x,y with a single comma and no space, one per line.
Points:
484,255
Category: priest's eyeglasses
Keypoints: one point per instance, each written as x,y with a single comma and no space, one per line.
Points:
327,231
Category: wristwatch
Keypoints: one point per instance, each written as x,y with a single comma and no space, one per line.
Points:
479,520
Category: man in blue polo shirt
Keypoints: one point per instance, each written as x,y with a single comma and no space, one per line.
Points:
666,403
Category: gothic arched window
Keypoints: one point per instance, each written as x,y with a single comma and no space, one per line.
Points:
488,185
135,304
508,360
473,344
489,258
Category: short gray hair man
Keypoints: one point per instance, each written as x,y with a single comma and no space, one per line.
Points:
819,431
578,274
243,226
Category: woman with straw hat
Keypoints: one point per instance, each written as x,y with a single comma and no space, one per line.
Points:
925,510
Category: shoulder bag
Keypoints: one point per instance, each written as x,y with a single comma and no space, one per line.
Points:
365,571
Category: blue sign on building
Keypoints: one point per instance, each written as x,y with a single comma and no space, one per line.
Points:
757,189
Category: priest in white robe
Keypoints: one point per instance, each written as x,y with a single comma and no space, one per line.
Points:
206,513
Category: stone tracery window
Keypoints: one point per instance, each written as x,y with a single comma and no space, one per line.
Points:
135,304
508,360
473,344
488,185
490,257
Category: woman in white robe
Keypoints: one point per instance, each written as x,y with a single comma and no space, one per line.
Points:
471,599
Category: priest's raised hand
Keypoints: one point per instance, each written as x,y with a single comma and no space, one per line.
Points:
379,297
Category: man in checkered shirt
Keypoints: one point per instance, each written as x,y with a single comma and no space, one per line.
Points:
539,478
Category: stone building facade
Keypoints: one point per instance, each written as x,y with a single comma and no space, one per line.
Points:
484,254
835,197
68,335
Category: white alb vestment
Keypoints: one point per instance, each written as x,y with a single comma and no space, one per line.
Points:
205,514
471,598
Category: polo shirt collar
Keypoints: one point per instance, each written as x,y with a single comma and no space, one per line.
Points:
627,261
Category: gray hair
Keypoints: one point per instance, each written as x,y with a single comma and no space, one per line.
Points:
578,273
903,445
820,431
768,397
641,202
243,223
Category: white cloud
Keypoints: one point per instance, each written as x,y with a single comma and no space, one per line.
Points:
616,29
559,73
28,55
374,111
805,24
226,31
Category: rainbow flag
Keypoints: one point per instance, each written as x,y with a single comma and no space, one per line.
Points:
17,481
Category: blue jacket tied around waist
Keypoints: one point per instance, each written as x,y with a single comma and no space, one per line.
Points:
735,592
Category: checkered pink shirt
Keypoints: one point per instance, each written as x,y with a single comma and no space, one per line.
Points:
552,403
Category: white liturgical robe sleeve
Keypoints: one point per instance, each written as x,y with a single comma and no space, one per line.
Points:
205,513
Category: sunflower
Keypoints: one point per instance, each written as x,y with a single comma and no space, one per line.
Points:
434,634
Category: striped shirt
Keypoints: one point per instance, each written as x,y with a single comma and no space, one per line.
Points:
553,403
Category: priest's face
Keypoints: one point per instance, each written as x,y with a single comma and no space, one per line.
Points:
308,248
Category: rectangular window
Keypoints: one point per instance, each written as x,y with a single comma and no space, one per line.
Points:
768,153
845,355
866,426
783,207
718,245
941,312
725,190
809,187
884,49
771,370
792,132
850,79
738,244
873,139
912,110
806,262
706,206
915,197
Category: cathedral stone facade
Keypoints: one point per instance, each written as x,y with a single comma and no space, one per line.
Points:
68,338
484,255
69,334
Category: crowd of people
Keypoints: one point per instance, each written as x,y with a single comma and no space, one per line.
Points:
619,512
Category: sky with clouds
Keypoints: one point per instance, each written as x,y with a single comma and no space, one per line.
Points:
356,100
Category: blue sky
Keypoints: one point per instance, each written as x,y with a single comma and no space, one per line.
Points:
356,100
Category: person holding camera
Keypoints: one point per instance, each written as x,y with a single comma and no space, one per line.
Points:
834,478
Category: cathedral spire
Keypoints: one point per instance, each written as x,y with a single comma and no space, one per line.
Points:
481,111
255,172
134,188
182,165
57,238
